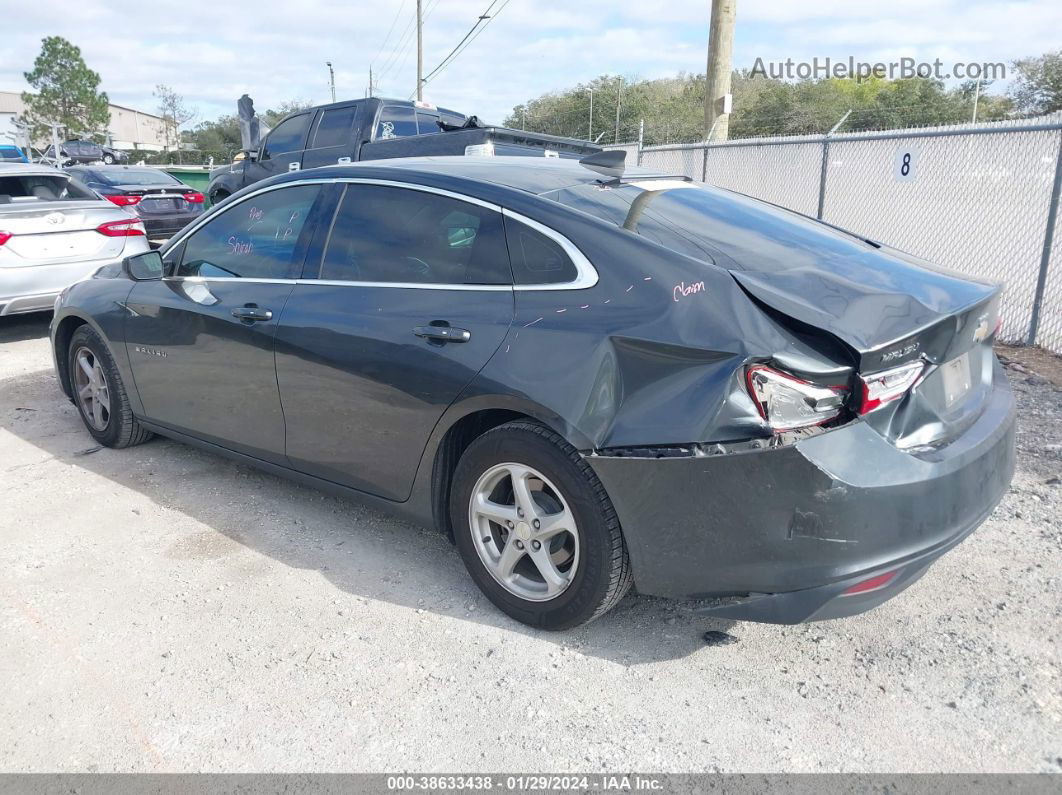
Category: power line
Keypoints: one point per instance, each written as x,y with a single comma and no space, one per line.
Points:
390,30
400,62
392,59
480,25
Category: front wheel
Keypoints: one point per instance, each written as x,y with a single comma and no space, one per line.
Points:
108,159
99,393
535,528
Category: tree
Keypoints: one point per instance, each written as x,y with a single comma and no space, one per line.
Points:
174,113
67,93
1038,87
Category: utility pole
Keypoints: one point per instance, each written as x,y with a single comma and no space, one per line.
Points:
420,54
331,79
977,96
590,126
717,100
619,96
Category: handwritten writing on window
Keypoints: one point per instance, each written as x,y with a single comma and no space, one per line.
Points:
239,246
683,290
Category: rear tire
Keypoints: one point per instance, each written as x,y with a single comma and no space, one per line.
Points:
99,393
548,552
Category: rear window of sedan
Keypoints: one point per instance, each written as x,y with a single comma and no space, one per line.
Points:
134,176
709,223
42,187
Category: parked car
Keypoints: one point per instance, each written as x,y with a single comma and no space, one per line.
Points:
374,129
12,154
588,377
53,232
86,152
163,202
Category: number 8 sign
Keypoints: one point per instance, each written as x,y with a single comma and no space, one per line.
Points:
905,164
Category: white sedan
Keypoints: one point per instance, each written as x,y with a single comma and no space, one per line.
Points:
53,232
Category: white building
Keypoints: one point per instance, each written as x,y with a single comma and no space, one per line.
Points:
129,128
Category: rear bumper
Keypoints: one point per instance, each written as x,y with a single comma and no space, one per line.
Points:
788,530
34,288
167,225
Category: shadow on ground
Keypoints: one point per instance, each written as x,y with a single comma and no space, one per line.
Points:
361,551
19,328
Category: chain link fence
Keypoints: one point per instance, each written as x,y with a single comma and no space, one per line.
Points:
980,199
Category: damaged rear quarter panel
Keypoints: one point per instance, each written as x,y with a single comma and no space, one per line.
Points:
653,354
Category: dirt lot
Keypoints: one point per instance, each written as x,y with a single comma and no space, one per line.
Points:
164,609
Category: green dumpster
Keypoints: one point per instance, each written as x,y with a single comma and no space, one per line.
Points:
192,176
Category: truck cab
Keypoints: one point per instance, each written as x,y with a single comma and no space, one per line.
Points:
375,128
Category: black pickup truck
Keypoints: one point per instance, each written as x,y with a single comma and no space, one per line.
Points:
374,129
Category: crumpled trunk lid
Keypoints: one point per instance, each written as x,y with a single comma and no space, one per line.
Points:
886,306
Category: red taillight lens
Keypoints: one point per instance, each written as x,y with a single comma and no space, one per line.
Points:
131,228
888,385
786,402
124,201
194,198
872,584
4,237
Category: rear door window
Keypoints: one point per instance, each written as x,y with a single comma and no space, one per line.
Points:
402,235
288,136
255,239
396,121
333,127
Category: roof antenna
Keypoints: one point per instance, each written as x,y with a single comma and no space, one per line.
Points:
609,162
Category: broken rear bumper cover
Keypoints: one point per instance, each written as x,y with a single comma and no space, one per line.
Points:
784,532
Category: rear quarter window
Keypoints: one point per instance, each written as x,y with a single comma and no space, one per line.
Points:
535,258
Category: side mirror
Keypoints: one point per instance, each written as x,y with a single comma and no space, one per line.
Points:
144,267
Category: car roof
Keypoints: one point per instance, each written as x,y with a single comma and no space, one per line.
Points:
28,170
535,175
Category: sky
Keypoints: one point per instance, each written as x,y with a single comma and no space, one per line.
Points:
213,53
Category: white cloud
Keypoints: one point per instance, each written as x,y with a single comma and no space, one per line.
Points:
276,52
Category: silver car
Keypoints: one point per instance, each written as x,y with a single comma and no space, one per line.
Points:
53,232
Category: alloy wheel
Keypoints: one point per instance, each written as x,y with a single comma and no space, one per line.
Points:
524,532
93,393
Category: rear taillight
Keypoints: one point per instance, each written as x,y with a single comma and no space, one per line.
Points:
4,237
194,198
122,200
786,402
131,228
888,385
873,584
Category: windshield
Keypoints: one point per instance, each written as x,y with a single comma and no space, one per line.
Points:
43,188
711,224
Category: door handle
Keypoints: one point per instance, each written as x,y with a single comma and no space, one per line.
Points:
252,314
443,333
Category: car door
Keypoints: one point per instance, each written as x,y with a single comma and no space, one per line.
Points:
200,341
281,151
331,138
413,298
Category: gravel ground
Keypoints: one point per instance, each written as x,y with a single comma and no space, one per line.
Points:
165,609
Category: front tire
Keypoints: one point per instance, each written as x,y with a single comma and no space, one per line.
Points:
99,393
108,159
536,530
